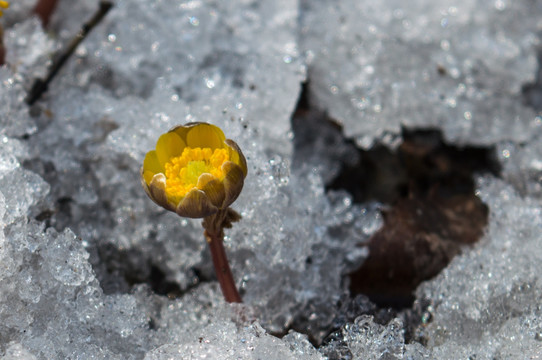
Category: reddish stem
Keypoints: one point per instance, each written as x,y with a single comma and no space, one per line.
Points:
2,54
2,48
222,268
44,9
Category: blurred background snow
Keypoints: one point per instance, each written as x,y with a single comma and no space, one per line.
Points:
91,268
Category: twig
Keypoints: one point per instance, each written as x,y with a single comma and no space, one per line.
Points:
2,48
44,9
40,86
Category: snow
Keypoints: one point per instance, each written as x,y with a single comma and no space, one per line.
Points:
81,242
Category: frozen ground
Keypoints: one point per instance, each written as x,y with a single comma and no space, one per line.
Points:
91,268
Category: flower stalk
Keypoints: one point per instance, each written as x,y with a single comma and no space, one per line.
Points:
214,234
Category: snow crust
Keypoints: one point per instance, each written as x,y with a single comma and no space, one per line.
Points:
80,239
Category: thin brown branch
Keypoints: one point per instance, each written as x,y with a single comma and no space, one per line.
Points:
2,48
40,86
44,9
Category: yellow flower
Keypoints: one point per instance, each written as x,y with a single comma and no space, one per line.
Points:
194,171
3,5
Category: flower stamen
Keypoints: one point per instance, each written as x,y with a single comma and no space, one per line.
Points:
182,172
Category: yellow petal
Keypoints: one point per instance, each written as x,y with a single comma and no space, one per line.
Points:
145,184
168,146
233,182
152,165
182,130
213,188
147,176
196,205
205,135
237,156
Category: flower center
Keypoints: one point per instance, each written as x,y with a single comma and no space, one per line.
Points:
182,172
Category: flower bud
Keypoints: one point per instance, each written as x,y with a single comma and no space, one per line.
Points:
194,170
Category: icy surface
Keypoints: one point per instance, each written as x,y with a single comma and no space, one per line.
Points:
454,65
250,342
14,119
29,49
366,340
500,305
81,246
523,165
